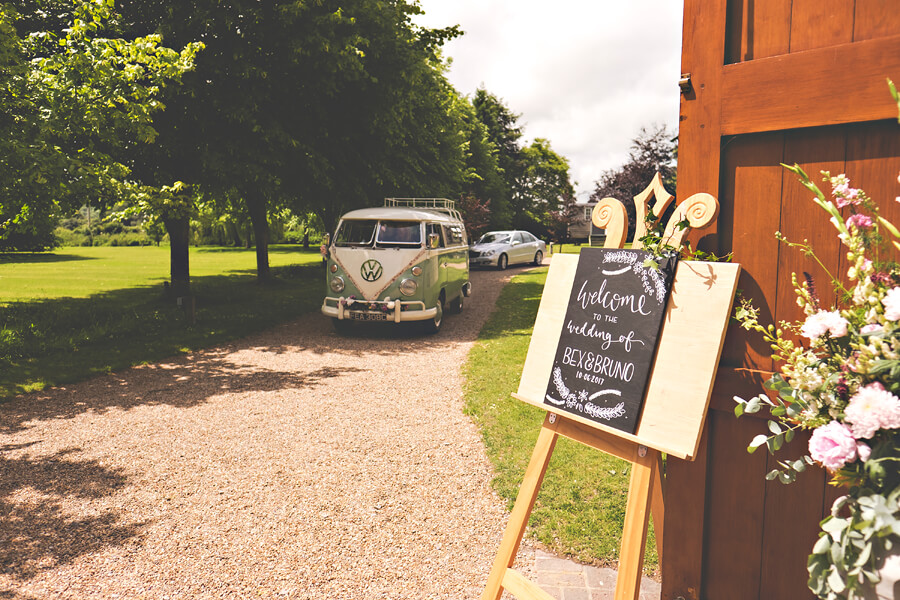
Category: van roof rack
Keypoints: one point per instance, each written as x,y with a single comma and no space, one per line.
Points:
439,204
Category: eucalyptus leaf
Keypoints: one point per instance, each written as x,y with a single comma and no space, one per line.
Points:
778,441
836,581
756,442
823,545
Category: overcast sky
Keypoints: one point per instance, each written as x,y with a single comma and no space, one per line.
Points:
585,75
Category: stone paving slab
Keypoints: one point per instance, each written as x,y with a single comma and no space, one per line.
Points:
568,580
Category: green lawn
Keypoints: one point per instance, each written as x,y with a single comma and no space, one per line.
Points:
581,507
76,312
82,272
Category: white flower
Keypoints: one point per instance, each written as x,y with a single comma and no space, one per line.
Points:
872,408
824,322
891,302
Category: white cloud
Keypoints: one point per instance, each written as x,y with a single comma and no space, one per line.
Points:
585,75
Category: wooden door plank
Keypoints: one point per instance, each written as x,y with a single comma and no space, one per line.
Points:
698,136
703,49
788,533
874,19
794,90
820,23
758,29
734,516
815,150
872,163
683,541
752,179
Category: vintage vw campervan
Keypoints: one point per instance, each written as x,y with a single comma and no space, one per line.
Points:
405,261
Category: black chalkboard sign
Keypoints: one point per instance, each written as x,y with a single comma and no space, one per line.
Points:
609,336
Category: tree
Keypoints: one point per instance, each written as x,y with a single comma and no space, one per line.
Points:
504,133
483,180
70,100
320,106
543,188
476,215
562,217
653,150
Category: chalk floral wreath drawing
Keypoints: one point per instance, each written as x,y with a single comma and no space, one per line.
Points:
652,279
842,383
569,398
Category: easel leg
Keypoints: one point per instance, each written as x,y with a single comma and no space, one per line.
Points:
658,505
637,514
518,519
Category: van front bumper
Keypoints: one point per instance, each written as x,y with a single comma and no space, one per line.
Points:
395,311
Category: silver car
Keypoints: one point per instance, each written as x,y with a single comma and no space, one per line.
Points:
503,248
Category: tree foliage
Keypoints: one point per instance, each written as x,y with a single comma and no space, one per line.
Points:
653,150
71,99
325,106
535,178
543,188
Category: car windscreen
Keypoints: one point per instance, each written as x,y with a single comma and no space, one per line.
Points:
494,238
399,233
355,233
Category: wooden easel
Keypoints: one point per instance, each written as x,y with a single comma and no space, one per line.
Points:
672,419
644,471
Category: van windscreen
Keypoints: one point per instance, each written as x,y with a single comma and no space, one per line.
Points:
400,233
355,233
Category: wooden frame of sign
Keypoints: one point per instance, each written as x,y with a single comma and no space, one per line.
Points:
677,398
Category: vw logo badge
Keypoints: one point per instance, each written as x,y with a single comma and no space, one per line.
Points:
371,270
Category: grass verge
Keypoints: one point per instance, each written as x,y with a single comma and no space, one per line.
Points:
95,310
580,510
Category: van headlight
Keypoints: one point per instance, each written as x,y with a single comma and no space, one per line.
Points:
408,287
337,284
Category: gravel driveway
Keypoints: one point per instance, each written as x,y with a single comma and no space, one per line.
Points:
293,464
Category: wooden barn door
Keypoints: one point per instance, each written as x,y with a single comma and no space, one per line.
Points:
772,81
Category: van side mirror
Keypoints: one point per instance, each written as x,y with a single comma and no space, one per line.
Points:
327,239
433,240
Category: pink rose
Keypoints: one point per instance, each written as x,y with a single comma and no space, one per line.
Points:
864,451
833,445
860,221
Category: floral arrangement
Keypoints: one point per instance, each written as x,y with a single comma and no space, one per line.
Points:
384,307
839,377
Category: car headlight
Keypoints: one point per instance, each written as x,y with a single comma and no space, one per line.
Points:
408,287
337,284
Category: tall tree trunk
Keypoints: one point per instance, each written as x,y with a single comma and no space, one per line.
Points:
179,265
256,206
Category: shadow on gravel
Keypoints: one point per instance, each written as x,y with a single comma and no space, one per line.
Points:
36,531
190,382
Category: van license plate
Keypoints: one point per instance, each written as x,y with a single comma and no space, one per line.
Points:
362,316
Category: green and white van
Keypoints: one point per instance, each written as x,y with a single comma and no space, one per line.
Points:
405,261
